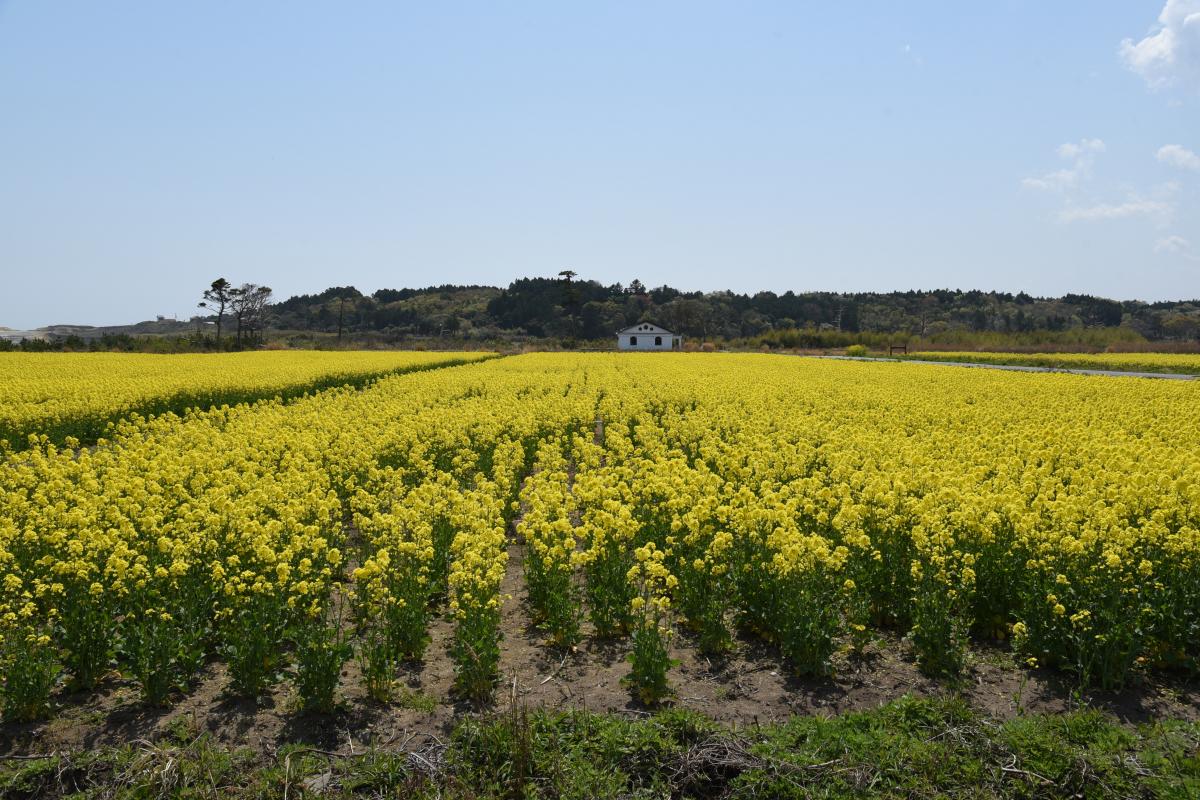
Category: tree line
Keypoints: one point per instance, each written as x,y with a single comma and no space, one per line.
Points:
570,309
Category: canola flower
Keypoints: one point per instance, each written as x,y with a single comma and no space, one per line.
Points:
651,611
552,558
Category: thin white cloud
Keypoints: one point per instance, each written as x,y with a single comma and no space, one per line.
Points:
1134,207
1081,154
1169,56
1078,203
1176,246
1177,155
1085,147
1052,181
1173,245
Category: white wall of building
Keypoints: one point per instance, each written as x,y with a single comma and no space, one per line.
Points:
648,337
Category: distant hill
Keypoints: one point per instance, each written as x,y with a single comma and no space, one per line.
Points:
587,310
159,326
90,333
572,312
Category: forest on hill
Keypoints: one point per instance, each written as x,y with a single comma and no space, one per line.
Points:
585,311
570,312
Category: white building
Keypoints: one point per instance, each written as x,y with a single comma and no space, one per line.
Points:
647,336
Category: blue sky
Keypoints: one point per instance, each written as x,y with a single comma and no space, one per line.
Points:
147,148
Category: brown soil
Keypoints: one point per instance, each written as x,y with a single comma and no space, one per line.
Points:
750,685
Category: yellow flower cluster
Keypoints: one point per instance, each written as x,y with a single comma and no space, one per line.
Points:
478,554
651,629
547,527
654,583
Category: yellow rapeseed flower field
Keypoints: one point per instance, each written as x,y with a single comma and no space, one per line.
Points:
77,394
808,501
1176,363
